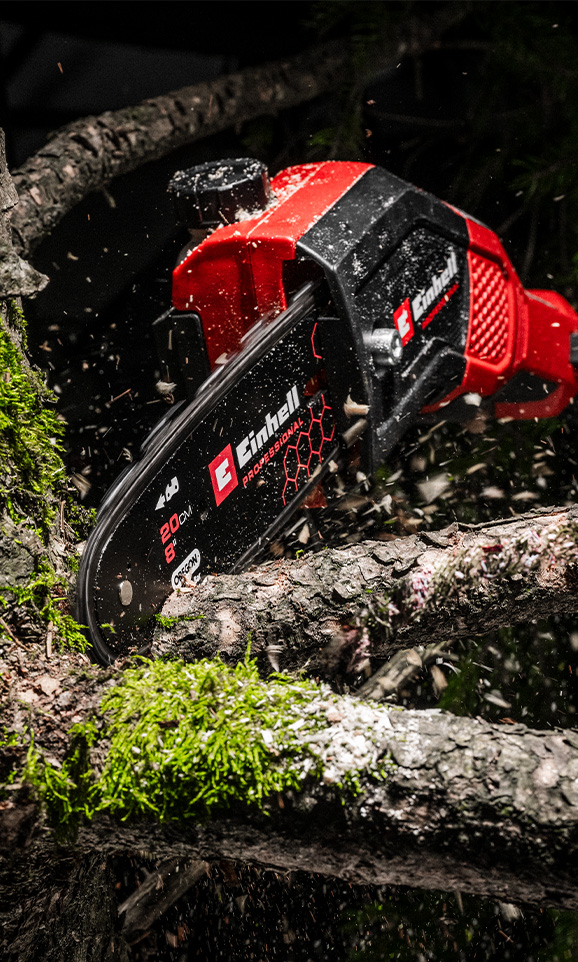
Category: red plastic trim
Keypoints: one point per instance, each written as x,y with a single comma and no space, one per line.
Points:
234,277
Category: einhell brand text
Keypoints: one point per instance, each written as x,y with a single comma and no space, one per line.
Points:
439,283
254,441
222,468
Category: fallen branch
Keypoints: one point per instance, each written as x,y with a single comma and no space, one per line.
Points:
85,155
375,795
327,613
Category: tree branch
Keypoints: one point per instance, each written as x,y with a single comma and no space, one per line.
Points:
85,155
441,802
465,805
328,612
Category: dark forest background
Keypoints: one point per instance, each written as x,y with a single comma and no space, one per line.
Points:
487,119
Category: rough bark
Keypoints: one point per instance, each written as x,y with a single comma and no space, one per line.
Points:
17,278
327,612
467,805
86,155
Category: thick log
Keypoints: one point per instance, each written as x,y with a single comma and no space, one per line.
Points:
466,806
482,808
327,612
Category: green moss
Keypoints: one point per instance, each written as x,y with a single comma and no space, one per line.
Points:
13,751
32,477
45,598
18,321
182,741
30,440
79,519
171,621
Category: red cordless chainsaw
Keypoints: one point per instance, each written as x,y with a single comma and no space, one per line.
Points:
327,310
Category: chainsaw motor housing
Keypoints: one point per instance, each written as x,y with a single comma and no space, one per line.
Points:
427,309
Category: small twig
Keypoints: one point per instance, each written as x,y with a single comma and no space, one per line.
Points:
112,400
9,632
401,669
49,637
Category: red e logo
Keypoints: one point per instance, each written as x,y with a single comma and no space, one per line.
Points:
403,321
223,474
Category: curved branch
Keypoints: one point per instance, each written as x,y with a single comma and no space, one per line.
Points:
85,155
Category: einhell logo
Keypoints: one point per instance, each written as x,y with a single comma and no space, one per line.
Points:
403,321
409,312
222,468
256,440
223,474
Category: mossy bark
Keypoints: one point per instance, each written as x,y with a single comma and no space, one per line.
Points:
482,808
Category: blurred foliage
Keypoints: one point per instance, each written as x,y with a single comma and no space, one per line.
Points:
485,118
522,674
413,926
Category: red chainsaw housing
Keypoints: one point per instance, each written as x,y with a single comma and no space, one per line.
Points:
236,277
512,330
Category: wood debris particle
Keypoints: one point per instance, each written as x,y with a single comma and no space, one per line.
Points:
439,679
354,408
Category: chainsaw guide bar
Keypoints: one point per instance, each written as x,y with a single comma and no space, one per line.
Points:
171,519
315,319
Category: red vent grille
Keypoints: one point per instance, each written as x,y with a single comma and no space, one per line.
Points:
488,336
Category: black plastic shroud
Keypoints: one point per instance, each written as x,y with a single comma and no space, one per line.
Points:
382,244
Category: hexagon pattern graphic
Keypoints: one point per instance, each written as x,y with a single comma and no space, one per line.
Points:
302,457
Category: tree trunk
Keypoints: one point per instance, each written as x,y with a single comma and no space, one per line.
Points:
328,612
